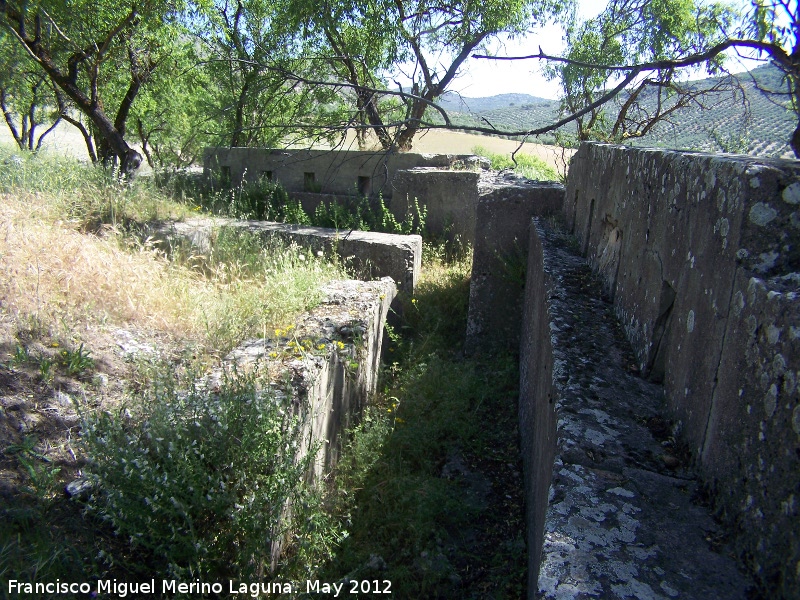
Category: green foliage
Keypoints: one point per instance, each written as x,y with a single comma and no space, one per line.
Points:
248,48
41,472
170,117
204,482
369,214
26,96
630,33
364,40
84,194
76,362
443,423
265,200
526,165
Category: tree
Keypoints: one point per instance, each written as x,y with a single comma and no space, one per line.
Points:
170,118
363,41
771,30
26,97
634,32
98,55
246,50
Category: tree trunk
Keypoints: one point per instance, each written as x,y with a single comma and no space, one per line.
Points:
129,159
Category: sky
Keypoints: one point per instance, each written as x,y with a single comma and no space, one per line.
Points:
481,77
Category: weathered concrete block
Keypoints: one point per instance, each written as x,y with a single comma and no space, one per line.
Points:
539,388
371,255
331,357
607,515
327,364
677,237
751,455
449,197
500,258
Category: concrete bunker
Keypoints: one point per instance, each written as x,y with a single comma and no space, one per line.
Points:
699,254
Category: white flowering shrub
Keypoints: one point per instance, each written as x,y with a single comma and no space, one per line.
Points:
202,482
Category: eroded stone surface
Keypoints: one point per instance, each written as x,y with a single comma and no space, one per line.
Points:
620,521
701,255
499,260
327,361
371,255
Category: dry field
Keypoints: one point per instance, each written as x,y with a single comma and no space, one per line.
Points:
65,139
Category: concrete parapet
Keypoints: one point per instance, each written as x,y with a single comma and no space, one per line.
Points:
449,198
326,364
371,255
325,171
607,515
701,255
500,257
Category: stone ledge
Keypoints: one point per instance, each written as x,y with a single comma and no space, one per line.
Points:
372,255
326,364
613,517
505,207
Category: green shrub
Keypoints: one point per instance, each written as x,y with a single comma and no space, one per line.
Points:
369,214
204,482
526,165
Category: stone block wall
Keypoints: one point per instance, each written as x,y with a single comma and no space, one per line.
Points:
449,198
327,363
371,255
701,256
500,257
606,516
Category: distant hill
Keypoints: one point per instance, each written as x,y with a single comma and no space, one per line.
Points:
454,102
743,119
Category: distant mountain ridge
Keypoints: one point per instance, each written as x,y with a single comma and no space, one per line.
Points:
452,101
744,121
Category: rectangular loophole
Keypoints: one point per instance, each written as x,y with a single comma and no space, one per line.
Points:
308,182
225,175
267,175
364,185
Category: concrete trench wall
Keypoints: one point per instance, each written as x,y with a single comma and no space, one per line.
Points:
446,186
606,516
371,255
701,256
344,172
497,288
327,363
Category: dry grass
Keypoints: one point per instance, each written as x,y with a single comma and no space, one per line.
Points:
65,277
50,270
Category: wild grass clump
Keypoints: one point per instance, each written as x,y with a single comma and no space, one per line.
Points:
52,270
86,196
205,485
526,165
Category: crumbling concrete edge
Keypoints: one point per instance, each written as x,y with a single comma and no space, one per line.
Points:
370,255
606,514
325,366
541,374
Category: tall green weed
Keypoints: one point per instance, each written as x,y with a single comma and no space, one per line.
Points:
205,483
526,165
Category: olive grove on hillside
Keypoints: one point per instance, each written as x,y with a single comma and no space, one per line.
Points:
635,47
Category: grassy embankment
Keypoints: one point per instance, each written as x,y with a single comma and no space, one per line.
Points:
428,493
526,165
